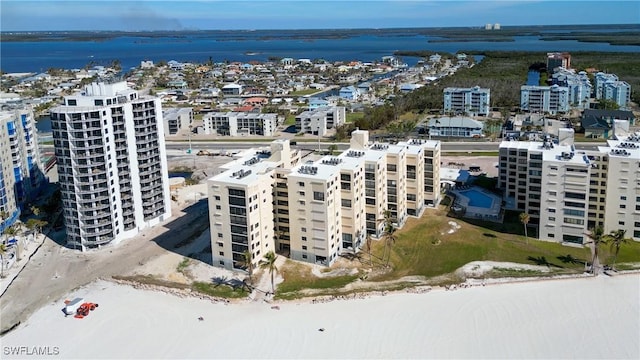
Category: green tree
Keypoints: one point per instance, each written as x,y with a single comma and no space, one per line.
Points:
607,104
332,149
524,219
597,239
617,238
269,263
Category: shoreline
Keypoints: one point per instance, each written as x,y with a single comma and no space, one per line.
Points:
533,319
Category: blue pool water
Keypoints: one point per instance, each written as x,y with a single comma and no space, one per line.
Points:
478,199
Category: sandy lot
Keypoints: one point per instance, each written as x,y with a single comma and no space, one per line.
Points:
570,318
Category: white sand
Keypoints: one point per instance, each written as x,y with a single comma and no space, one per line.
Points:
571,318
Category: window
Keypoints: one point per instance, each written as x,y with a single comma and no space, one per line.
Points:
304,247
300,183
219,235
391,167
218,207
217,198
573,221
318,195
304,238
551,235
304,229
346,203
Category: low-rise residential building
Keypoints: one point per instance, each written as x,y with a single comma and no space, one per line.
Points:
579,86
598,123
455,127
349,93
232,90
240,123
544,99
319,120
176,119
609,87
473,101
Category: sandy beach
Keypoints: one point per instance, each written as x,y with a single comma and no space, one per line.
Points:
570,318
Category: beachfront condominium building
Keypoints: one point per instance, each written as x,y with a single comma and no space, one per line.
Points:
319,120
112,165
177,119
568,192
544,99
579,86
319,208
21,171
609,87
240,123
558,59
473,101
248,205
315,212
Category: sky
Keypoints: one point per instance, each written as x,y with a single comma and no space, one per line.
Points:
54,15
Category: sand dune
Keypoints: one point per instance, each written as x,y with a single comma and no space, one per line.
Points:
570,318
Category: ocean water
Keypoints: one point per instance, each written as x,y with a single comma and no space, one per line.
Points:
42,55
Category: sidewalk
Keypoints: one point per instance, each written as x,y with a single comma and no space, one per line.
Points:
33,243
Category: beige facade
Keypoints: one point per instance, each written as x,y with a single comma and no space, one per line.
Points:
320,208
568,192
315,213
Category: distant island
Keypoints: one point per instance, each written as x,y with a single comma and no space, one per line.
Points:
628,34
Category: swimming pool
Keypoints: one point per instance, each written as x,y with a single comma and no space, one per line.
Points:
478,198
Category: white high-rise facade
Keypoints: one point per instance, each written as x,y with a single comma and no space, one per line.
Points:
112,165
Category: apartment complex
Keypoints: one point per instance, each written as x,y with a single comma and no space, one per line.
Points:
317,209
558,59
21,170
240,123
579,86
112,166
544,99
609,87
176,119
319,120
473,101
568,192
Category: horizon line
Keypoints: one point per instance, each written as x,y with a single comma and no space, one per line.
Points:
502,27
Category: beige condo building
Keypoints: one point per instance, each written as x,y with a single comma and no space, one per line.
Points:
317,209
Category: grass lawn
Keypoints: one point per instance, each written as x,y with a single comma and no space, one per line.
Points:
354,116
219,290
425,248
290,120
298,277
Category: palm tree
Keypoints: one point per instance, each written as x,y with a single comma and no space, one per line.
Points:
248,263
388,235
617,239
597,239
390,239
524,219
269,262
368,242
3,251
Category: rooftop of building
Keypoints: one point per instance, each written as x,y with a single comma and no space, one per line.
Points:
315,171
246,171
